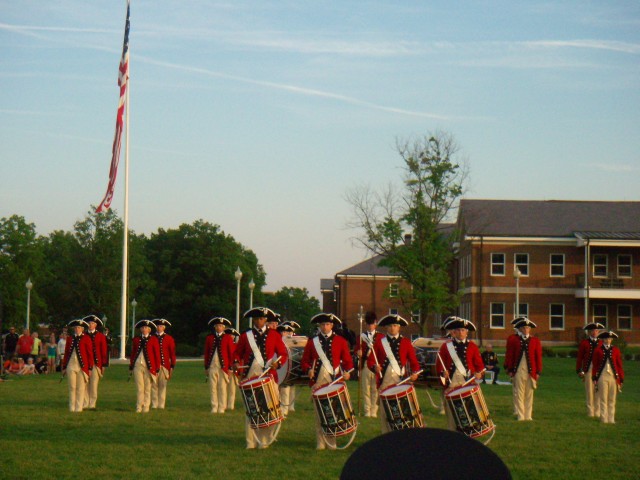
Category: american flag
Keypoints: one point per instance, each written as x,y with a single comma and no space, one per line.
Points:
123,79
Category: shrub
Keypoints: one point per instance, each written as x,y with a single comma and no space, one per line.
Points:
186,350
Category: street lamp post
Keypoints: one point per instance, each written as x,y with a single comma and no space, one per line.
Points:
517,275
238,278
29,286
252,285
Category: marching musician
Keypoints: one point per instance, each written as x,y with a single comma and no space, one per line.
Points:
324,355
608,375
100,355
233,376
218,358
584,366
523,362
167,363
260,348
364,350
392,354
77,364
514,337
287,392
458,359
144,363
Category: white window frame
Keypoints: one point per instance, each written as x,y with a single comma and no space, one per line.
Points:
606,265
520,313
393,311
551,265
552,316
394,290
503,263
520,265
600,319
415,317
503,315
630,275
630,317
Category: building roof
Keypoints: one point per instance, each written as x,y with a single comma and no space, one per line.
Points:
326,284
368,267
549,218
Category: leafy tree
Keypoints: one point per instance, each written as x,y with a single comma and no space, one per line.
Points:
294,304
21,258
193,270
434,177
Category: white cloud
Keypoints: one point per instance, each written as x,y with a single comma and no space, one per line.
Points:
615,168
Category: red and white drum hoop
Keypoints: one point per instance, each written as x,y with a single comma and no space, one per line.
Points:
400,403
261,401
334,412
470,412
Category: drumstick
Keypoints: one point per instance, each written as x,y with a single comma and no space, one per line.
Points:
407,379
267,367
444,367
340,377
375,357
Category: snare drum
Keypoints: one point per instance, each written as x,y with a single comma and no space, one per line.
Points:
290,372
261,400
333,409
400,403
427,355
470,411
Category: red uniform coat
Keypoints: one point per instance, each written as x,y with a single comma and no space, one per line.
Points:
152,357
85,352
273,346
585,354
406,352
99,349
512,357
167,351
474,359
599,363
339,353
226,350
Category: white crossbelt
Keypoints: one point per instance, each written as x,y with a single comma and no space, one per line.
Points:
254,347
456,360
392,358
323,357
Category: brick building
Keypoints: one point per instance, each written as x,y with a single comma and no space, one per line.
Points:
577,261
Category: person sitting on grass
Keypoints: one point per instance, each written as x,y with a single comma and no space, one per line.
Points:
29,368
16,365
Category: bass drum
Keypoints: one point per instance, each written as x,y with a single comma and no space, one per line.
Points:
427,354
290,372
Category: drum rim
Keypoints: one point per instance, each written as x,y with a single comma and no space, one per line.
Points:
255,380
404,391
339,387
459,392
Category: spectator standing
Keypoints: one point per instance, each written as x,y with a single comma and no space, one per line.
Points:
10,342
62,343
25,345
52,352
36,348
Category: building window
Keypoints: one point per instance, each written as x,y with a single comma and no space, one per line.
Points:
600,313
465,266
624,266
393,311
393,290
521,262
600,265
556,262
523,311
415,316
624,317
556,316
497,264
497,315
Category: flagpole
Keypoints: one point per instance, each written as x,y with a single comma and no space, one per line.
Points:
125,236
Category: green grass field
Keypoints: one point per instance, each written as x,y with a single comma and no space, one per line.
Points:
39,438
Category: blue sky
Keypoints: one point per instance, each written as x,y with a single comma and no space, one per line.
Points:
260,115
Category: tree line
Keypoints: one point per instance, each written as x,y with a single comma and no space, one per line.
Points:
185,275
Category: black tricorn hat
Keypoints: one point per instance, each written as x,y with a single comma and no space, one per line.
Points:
285,327
518,319
259,312
278,318
445,324
219,321
162,321
78,323
391,320
594,326
292,323
609,334
460,323
231,331
93,318
145,323
326,317
525,322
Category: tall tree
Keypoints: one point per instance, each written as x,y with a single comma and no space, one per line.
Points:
295,304
21,258
434,178
193,270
